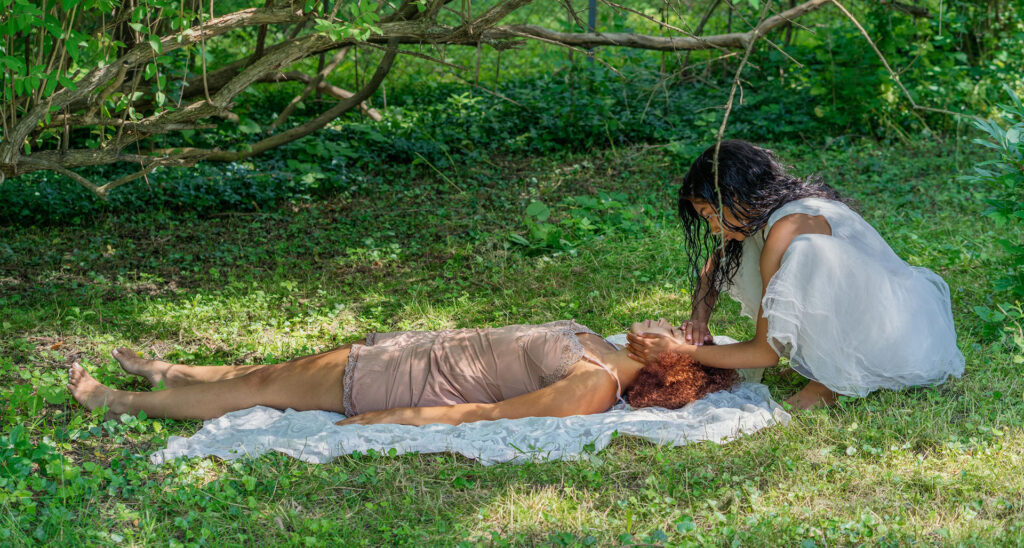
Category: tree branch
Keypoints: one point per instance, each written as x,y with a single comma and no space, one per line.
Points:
920,12
53,166
320,121
895,77
141,53
311,84
326,87
736,40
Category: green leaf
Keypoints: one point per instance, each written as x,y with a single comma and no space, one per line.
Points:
160,98
988,314
686,525
73,50
66,82
248,126
538,211
138,27
51,84
516,238
54,395
154,42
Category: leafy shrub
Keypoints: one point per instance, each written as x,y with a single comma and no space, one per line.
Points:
580,218
956,60
1004,179
437,127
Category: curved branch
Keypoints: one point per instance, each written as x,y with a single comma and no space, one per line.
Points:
735,40
895,77
324,86
148,163
73,158
920,12
311,85
53,166
139,54
320,121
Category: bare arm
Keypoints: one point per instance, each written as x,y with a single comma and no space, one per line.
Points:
587,389
695,330
756,352
703,307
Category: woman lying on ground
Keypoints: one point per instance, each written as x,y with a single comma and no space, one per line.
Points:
420,377
823,287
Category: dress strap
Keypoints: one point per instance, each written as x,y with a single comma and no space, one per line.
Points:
618,385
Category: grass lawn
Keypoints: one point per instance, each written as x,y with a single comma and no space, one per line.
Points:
424,250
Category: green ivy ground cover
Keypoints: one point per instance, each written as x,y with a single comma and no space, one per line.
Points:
509,239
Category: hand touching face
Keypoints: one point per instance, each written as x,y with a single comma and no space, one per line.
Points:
650,338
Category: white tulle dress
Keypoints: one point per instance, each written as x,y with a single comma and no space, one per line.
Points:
846,310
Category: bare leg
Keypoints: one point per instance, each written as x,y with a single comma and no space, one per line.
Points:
311,382
175,375
813,395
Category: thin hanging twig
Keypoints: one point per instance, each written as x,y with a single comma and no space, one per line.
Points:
892,73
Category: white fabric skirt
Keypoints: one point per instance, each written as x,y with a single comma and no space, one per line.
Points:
857,324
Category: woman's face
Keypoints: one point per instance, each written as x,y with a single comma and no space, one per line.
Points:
658,327
714,220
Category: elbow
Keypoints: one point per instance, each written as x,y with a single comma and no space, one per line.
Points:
594,407
768,357
763,355
600,400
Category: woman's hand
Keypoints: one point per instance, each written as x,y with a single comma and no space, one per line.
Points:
645,347
696,332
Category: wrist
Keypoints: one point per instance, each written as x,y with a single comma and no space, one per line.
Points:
700,317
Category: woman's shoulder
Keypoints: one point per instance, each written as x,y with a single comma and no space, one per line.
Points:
809,206
797,222
836,214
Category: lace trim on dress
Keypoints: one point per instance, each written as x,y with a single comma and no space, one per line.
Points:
572,351
350,369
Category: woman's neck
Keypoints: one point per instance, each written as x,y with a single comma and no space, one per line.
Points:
625,368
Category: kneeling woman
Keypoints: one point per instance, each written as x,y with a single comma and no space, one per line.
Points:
414,377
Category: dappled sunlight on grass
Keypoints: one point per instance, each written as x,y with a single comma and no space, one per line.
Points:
537,512
938,465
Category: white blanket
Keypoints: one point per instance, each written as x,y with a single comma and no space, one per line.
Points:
312,436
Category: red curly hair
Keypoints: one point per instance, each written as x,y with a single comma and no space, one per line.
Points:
674,380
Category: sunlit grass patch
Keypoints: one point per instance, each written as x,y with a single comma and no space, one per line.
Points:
930,465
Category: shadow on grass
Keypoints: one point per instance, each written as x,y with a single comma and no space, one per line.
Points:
268,286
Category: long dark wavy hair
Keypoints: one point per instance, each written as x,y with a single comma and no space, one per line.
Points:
752,184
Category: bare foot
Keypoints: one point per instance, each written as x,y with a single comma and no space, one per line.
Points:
89,392
813,395
154,371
